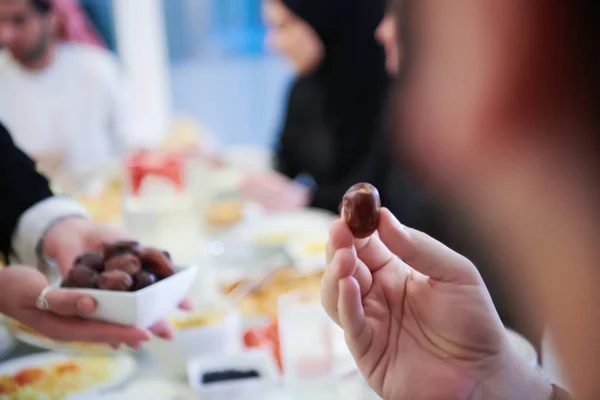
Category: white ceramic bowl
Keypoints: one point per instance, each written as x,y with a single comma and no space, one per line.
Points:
222,337
144,307
258,360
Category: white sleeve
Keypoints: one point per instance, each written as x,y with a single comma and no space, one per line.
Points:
132,127
36,221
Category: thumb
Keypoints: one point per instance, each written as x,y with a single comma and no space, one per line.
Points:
69,303
425,254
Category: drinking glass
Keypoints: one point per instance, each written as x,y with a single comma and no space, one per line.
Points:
305,334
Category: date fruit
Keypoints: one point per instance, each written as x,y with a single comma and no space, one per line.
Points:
122,247
360,209
92,259
115,280
82,277
125,262
143,279
156,262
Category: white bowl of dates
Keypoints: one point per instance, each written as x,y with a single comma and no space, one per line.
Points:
211,328
132,284
247,375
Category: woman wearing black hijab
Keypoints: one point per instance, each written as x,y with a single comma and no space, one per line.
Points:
332,136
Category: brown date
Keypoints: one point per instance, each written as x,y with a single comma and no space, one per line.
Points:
115,280
360,209
82,277
92,259
124,262
122,247
156,262
143,279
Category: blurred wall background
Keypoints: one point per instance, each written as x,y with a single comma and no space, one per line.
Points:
218,70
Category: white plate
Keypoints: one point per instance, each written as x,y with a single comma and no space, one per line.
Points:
124,367
274,230
7,341
304,260
49,344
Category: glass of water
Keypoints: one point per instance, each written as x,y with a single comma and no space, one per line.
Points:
305,334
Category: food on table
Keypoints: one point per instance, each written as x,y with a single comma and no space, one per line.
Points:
81,277
121,266
360,209
91,259
56,380
115,280
46,342
315,247
106,205
143,279
121,247
262,301
225,212
128,263
198,319
155,261
273,239
228,375
265,337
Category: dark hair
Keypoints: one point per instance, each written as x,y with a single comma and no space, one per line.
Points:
41,6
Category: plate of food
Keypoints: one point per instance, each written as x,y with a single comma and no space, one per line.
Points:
275,230
53,376
262,299
33,338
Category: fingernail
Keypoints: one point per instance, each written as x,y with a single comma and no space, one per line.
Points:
86,305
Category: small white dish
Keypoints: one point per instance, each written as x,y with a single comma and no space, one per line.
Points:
257,360
221,337
144,307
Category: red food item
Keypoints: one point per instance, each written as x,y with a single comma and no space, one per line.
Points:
81,277
266,337
253,338
91,259
29,376
111,250
156,262
143,279
115,280
360,209
145,163
124,262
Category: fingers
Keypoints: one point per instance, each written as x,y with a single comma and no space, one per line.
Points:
186,305
163,329
350,308
425,254
70,303
73,329
342,263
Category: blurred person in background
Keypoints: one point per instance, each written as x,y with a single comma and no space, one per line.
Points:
64,102
331,136
501,113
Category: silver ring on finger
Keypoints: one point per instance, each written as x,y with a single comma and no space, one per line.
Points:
41,301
